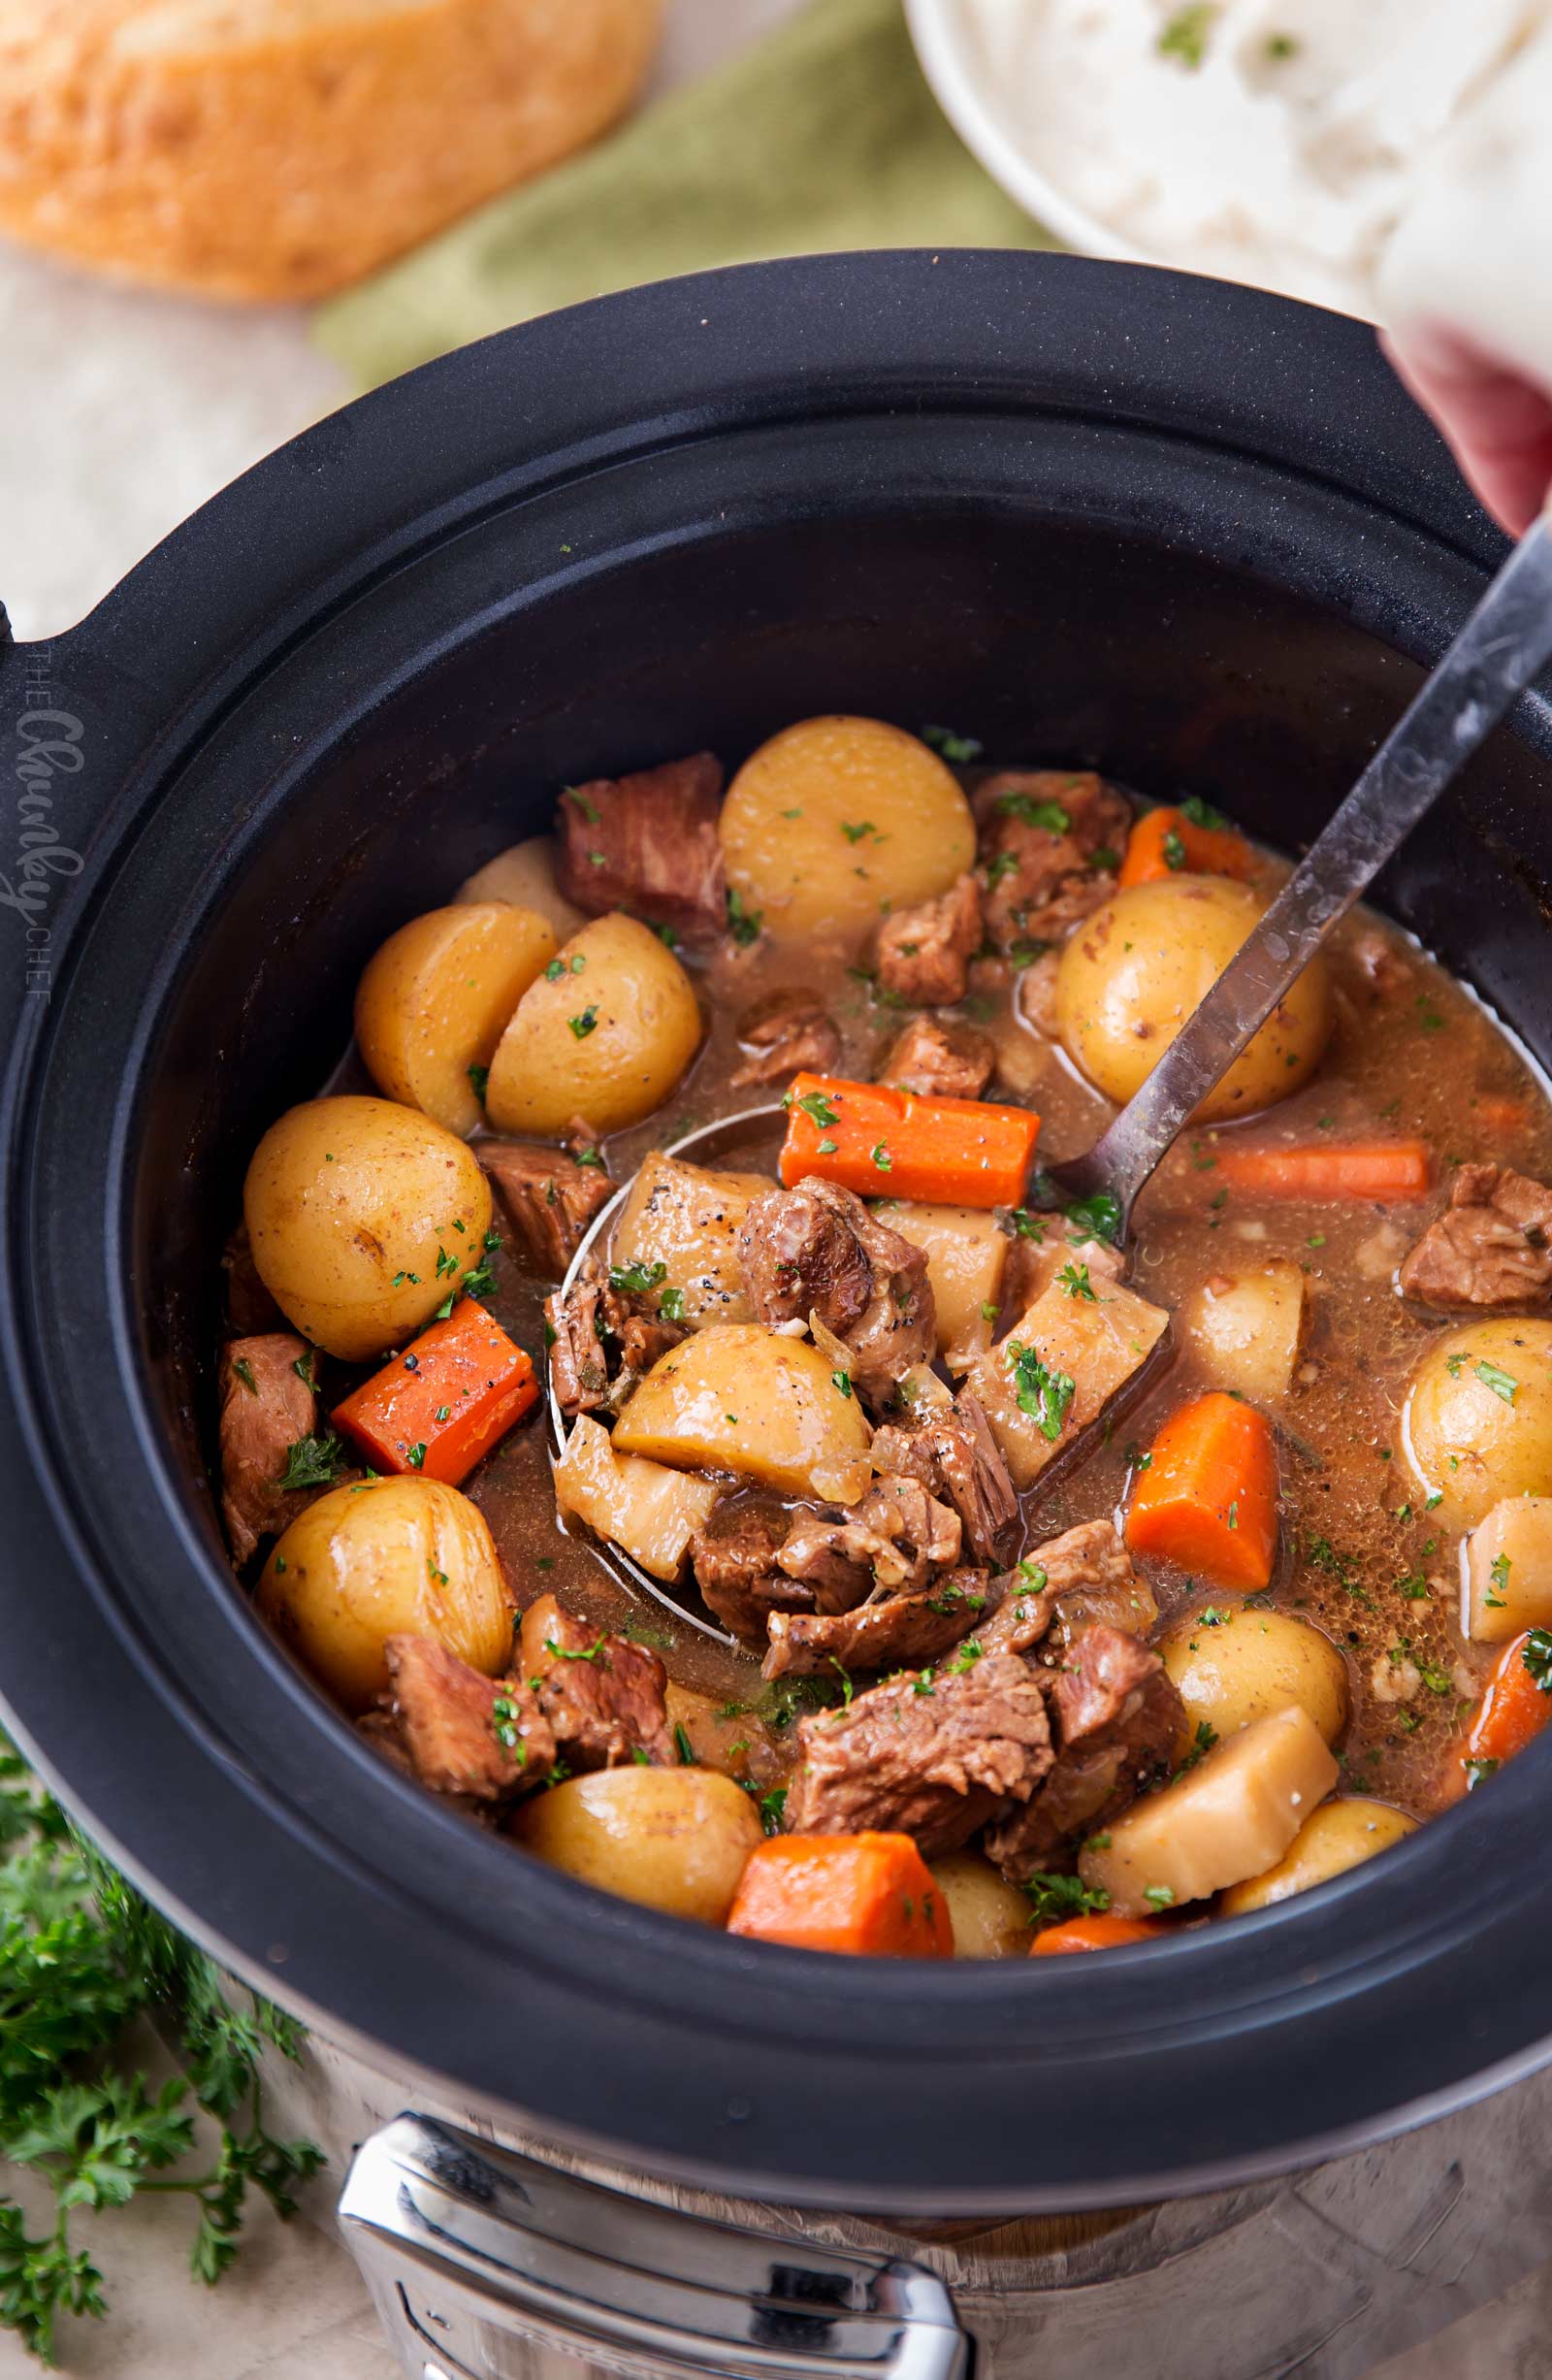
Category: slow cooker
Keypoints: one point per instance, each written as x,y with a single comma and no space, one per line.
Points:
1184,532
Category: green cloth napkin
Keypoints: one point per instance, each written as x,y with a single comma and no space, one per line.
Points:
823,136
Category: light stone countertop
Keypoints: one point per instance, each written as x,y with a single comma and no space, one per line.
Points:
119,414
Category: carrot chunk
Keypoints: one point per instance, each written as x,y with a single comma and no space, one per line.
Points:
870,1895
1208,1499
1094,1933
1390,1172
444,1402
1165,842
1516,1703
890,1144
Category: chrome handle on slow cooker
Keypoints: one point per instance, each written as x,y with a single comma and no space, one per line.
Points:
489,2264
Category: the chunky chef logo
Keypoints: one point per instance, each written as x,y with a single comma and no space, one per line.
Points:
48,741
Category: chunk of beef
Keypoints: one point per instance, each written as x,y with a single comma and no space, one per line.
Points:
933,1764
735,1570
940,1061
1089,1577
923,951
818,1250
549,1199
603,1697
1042,832
1491,1246
462,1733
953,1453
1035,996
647,844
250,1310
266,1407
1020,1618
602,1340
787,1033
896,1632
1117,1719
895,1538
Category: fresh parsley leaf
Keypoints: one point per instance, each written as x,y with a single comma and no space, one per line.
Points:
1173,850
1502,1383
636,1279
245,1372
314,1462
1045,1395
743,923
1073,1279
587,1022
1202,814
1056,1898
1187,33
958,749
1051,815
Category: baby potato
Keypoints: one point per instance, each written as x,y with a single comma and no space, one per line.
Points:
605,1032
1248,1663
525,875
674,1839
686,1218
436,998
386,1557
836,821
1338,1835
1509,1570
351,1204
1477,1422
736,1397
966,1256
991,1917
1134,972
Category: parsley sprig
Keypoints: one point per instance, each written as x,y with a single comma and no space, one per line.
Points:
82,1955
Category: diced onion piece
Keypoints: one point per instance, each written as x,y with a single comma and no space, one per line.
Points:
649,1511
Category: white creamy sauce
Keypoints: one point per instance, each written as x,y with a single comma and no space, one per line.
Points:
1279,142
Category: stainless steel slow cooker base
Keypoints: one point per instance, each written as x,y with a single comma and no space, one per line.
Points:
504,2259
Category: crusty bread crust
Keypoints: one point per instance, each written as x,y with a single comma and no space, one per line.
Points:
282,148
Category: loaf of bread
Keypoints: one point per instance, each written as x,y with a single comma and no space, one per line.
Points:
280,149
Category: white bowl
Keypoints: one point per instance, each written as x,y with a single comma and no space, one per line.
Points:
945,49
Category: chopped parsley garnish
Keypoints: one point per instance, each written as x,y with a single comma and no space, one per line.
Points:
479,1282
1502,1383
666,934
965,1659
1501,1578
1202,814
1032,1574
1186,35
1006,863
445,1264
683,1747
587,1022
1045,1395
1135,1459
1537,1657
303,1368
245,1372
588,1652
636,1279
1032,813
585,1156
580,801
1055,1898
819,1109
1073,1279
479,1077
1160,1896
554,970
771,1806
415,1455
503,1726
879,1156
672,1305
314,1462
843,1381
828,1147
1173,850
1476,1770
1027,1227
960,750
855,834
743,923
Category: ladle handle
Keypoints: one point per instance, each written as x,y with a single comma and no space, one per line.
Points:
1505,641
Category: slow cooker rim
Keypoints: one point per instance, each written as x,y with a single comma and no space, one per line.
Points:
962,1981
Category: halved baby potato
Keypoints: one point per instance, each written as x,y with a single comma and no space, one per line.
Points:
991,1917
1477,1423
524,873
1243,1326
605,1032
736,1397
1135,970
836,821
966,1257
1232,1664
362,1215
439,996
1338,1835
674,1839
1509,1570
386,1557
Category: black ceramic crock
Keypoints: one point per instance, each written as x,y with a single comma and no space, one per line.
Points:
1189,533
